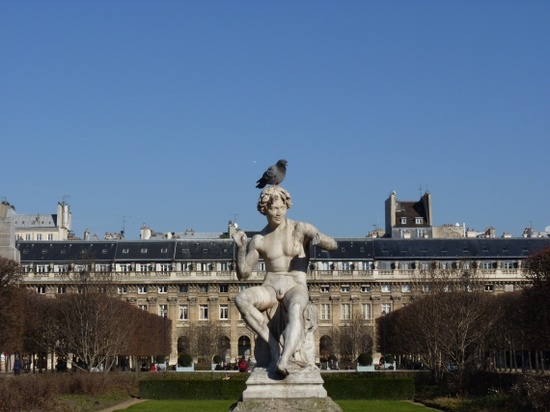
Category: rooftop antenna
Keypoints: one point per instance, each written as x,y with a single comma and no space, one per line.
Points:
124,221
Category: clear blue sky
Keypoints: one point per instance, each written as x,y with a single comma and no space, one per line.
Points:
167,112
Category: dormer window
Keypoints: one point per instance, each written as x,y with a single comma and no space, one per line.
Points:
418,220
403,220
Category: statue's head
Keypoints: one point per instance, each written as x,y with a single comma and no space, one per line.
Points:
270,194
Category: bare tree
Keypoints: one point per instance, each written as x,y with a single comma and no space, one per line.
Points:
12,315
448,322
353,337
204,340
90,324
536,305
10,272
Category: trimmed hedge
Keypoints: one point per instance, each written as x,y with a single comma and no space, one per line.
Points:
339,387
199,386
212,386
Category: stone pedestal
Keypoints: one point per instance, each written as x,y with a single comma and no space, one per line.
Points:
269,392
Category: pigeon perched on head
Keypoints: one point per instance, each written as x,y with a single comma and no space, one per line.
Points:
274,175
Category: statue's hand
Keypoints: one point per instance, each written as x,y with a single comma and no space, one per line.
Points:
240,239
316,239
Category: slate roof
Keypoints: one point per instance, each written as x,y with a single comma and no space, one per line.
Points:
224,249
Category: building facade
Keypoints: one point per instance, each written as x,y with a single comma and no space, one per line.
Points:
41,226
194,280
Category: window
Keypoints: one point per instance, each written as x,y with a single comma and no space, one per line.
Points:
203,288
365,288
122,290
324,288
61,268
39,237
488,265
41,268
183,312
404,265
344,289
489,288
418,220
145,267
224,312
162,289
385,288
346,311
405,288
142,289
367,265
224,288
325,311
183,288
41,290
163,310
61,289
445,265
385,308
50,236
421,233
103,268
403,220
164,267
366,311
242,287
203,312
143,307
144,250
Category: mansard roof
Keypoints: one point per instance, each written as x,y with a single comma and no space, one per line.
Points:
122,250
432,249
224,249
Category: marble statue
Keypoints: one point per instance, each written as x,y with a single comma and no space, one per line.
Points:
279,311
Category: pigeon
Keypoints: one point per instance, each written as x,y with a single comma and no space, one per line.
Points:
274,175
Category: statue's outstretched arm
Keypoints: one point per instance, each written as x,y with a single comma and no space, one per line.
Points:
324,242
318,239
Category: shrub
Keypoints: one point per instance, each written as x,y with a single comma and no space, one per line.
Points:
351,386
49,389
332,358
193,386
364,359
389,358
184,359
533,392
218,359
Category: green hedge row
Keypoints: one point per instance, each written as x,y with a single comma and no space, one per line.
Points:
192,389
369,388
212,386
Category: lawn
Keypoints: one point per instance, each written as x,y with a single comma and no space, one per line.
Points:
223,406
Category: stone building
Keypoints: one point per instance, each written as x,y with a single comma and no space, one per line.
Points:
44,226
193,279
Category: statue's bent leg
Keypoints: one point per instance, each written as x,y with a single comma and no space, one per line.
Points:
251,302
295,302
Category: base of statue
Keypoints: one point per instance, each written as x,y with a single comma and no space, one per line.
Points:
267,391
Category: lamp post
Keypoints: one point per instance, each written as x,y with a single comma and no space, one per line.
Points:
384,337
164,313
